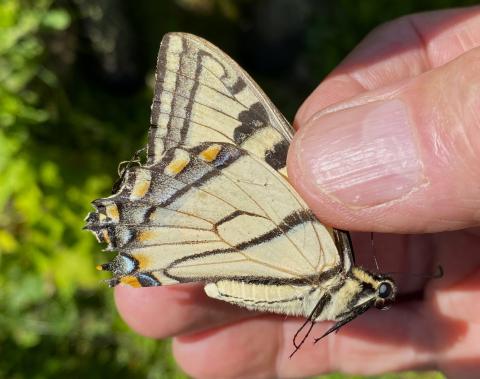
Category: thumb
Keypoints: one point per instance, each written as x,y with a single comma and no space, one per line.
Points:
400,159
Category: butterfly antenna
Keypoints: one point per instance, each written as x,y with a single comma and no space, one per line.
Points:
436,275
373,251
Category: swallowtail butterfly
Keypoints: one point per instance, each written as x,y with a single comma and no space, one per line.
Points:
212,202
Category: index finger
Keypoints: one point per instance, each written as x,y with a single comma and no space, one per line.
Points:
398,50
240,353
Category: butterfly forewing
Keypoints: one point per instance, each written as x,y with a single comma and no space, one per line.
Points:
201,95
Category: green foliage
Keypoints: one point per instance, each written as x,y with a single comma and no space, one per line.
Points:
55,313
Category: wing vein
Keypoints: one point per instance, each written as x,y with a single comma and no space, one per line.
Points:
278,226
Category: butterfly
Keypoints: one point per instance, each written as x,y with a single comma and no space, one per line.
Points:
212,203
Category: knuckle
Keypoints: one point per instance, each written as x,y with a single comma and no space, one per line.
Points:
465,83
451,94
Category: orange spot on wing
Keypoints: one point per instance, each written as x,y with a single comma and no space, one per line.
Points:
141,188
112,212
176,166
105,236
143,261
210,153
145,235
130,281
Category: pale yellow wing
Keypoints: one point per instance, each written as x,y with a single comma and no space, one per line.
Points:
210,213
202,95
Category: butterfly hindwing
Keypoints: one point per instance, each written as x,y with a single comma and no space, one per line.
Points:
208,219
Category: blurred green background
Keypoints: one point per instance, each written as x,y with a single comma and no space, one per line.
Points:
76,81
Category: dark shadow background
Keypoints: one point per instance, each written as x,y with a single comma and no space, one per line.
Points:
76,79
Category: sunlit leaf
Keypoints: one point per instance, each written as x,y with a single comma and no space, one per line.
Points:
57,19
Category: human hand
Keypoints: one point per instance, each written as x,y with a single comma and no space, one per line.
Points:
389,142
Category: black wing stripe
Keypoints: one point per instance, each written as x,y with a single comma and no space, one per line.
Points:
288,223
233,215
312,280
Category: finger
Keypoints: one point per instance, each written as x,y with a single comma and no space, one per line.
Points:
460,360
239,352
173,310
400,49
454,299
399,159
455,294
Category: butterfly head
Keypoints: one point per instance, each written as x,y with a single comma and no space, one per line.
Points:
376,290
385,293
360,291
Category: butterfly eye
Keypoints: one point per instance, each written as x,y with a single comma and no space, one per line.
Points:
385,290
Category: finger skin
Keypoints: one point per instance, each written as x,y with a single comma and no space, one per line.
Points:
404,338
441,332
160,312
436,130
377,338
395,51
389,64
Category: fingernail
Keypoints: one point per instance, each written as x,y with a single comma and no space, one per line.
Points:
361,156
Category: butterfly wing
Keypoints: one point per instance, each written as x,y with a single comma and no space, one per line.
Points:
202,95
200,214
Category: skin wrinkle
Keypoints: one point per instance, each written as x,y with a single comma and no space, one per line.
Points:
439,148
464,38
410,19
461,41
470,109
458,128
385,93
375,76
380,74
356,80
422,182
